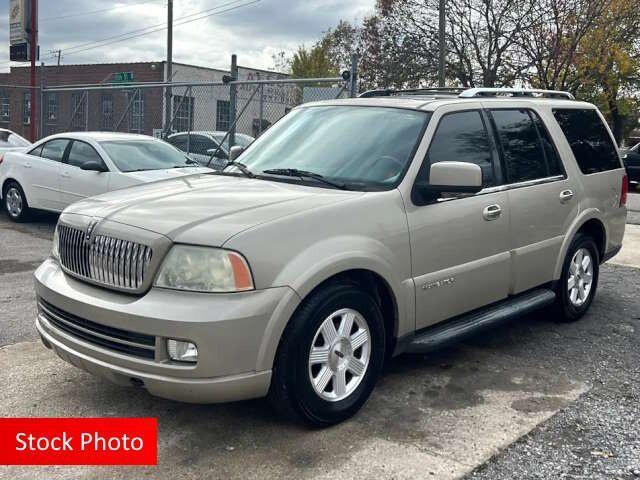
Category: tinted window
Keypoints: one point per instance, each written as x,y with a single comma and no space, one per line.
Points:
54,149
37,152
81,153
554,164
521,147
179,142
200,145
589,139
461,137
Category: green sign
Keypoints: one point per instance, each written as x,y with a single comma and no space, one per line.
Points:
123,77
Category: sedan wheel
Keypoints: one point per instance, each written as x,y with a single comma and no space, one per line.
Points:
15,202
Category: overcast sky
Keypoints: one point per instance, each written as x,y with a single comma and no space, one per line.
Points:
255,31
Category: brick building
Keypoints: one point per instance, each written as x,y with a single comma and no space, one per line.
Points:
131,108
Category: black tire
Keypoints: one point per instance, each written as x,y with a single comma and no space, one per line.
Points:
292,393
564,308
13,186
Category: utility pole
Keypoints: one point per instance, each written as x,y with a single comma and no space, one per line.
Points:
59,52
168,110
33,53
441,44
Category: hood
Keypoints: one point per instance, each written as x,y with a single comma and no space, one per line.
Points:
206,209
146,176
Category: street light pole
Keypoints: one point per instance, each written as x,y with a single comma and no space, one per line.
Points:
33,53
441,44
168,92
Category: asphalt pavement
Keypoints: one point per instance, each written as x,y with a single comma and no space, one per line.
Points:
532,399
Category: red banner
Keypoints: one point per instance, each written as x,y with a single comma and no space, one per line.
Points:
78,441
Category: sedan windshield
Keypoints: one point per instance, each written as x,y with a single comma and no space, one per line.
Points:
347,144
10,139
138,155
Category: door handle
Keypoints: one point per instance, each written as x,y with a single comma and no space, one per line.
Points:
566,195
65,174
492,212
27,165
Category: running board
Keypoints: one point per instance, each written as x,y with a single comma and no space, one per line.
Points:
454,330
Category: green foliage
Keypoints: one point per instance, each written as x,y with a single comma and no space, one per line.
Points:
313,62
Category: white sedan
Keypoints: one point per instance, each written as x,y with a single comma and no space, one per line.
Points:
64,168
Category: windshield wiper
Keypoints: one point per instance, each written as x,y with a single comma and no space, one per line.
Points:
240,166
294,172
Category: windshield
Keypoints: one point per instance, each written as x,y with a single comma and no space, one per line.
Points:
137,155
10,139
349,144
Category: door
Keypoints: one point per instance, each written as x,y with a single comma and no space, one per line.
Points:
43,171
542,199
75,183
459,244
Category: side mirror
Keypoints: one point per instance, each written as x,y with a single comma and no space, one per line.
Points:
449,177
220,153
235,152
94,166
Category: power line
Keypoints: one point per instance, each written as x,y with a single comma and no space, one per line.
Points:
92,12
155,28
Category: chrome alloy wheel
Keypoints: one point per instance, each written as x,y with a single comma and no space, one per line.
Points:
14,202
580,277
339,355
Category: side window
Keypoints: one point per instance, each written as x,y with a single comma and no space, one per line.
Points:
180,142
522,149
589,139
37,152
200,145
461,137
554,164
54,149
81,153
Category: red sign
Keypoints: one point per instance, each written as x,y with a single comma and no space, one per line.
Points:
78,441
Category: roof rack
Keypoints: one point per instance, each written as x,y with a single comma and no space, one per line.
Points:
515,92
387,92
471,92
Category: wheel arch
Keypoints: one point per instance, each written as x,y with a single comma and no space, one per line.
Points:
590,222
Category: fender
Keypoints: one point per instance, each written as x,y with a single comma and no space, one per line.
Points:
581,219
322,261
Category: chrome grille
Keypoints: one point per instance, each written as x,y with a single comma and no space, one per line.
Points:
106,260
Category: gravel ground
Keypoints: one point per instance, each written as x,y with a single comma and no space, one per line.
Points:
597,436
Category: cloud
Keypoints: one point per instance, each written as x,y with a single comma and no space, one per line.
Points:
254,32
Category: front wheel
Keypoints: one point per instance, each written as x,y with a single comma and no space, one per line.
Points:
579,279
15,202
330,356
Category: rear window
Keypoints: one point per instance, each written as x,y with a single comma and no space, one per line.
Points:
589,139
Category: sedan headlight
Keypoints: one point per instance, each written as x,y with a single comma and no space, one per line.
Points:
55,252
204,269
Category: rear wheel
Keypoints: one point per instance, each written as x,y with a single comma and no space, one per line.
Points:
330,356
579,279
15,202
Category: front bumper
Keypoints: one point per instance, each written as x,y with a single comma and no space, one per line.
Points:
236,335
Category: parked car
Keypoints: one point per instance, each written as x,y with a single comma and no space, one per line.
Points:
11,141
352,231
199,146
64,168
631,159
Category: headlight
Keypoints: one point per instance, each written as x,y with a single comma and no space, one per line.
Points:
204,269
55,252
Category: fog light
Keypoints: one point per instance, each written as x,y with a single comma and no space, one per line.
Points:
182,351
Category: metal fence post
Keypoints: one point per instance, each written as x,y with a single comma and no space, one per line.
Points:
233,100
86,111
42,112
353,79
188,95
261,110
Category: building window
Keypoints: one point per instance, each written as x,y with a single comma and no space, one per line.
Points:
222,115
78,110
136,111
26,108
107,112
52,108
4,106
182,113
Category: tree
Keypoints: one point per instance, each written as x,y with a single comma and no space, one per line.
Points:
341,42
313,62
